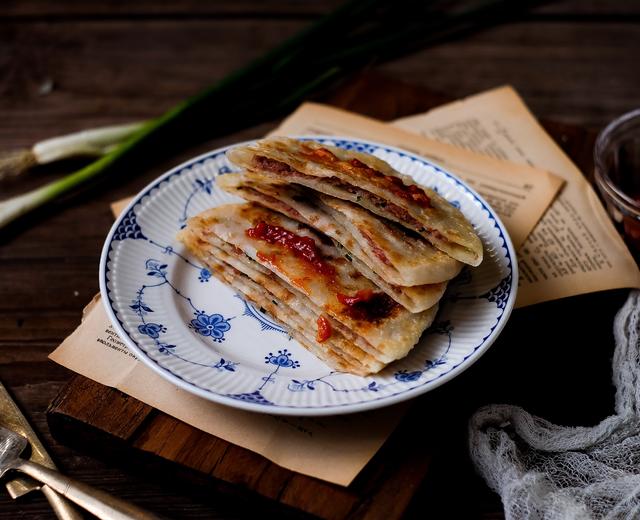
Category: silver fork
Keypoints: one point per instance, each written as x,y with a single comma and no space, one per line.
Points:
97,502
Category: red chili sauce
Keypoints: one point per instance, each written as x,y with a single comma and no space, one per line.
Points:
324,329
367,305
301,246
409,192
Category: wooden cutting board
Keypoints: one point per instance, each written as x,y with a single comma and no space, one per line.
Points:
105,421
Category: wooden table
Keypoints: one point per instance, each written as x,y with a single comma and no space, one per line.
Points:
70,65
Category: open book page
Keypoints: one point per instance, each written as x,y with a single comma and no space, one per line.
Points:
519,193
575,248
334,449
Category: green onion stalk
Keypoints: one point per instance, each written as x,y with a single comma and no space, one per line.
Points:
358,33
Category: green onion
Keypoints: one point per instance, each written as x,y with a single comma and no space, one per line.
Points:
15,162
87,143
95,142
356,34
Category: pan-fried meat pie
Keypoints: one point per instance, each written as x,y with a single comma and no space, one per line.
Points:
303,280
402,264
366,181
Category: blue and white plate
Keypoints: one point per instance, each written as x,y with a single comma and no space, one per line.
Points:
202,336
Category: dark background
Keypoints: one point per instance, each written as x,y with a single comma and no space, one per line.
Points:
69,65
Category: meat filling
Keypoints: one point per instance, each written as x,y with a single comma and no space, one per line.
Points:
283,169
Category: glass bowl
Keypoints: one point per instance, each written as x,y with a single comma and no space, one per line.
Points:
617,175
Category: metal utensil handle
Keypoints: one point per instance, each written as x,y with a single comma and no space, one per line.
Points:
97,502
61,506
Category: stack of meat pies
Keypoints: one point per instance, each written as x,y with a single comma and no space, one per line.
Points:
349,254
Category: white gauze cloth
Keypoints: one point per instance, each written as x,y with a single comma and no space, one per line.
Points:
545,471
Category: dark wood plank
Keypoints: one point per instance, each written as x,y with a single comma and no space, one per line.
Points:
576,72
105,421
194,8
561,80
594,8
106,409
177,8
